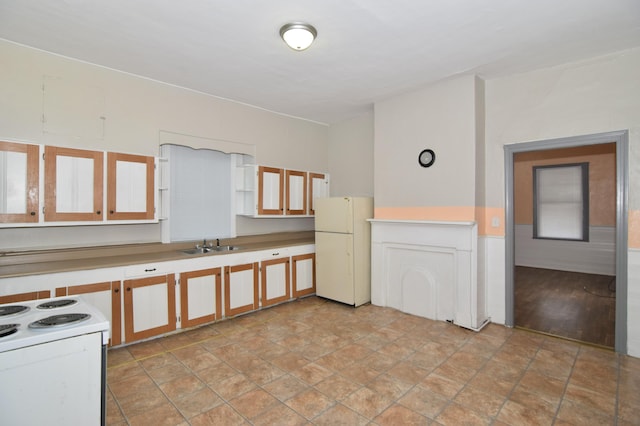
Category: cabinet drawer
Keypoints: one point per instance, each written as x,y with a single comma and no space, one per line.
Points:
148,269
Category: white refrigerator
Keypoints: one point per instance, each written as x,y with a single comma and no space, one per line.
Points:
343,249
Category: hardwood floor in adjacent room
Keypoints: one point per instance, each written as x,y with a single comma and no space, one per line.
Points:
567,304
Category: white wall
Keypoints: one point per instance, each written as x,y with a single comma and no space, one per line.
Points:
599,95
351,157
135,110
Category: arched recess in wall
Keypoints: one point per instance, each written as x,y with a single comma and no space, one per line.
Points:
621,139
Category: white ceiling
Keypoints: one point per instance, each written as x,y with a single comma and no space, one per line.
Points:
366,50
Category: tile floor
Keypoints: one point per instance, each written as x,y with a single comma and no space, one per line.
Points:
313,361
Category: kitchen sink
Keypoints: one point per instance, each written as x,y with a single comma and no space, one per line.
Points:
225,248
203,250
198,250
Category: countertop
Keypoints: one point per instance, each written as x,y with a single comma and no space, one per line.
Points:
36,262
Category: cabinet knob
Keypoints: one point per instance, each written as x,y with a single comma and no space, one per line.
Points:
98,212
110,211
33,213
128,288
117,290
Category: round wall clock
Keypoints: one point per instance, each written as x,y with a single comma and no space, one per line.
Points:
426,158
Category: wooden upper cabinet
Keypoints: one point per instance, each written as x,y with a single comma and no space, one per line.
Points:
73,184
270,191
130,187
19,183
318,188
296,192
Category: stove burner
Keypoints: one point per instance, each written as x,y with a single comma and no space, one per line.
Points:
52,304
12,310
8,329
59,320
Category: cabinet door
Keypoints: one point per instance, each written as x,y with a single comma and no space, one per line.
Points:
296,192
73,184
303,272
240,289
149,307
104,296
130,187
318,188
19,183
200,296
270,184
275,281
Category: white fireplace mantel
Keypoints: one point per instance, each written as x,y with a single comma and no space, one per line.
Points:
429,269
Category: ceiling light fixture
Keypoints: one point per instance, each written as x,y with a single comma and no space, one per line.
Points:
298,35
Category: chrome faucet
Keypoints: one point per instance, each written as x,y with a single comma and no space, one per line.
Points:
205,244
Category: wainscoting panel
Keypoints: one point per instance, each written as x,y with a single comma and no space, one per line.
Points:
597,256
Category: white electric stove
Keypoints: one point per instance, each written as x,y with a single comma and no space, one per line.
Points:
53,362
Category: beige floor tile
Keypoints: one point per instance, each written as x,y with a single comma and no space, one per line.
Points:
424,402
133,385
367,403
485,403
142,402
196,403
317,362
311,373
253,403
441,385
337,387
279,415
220,415
339,415
168,373
309,403
182,386
233,387
162,415
534,401
389,387
517,414
285,387
455,415
158,361
360,372
125,371
400,415
579,414
146,349
216,373
606,403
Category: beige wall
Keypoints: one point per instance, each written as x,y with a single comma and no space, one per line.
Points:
351,157
135,111
602,180
441,117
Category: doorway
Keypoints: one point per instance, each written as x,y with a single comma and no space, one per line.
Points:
620,141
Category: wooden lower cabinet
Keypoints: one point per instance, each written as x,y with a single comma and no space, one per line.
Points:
240,289
275,281
200,296
303,272
23,297
106,297
149,307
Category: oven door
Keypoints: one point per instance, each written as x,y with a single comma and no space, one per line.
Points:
54,383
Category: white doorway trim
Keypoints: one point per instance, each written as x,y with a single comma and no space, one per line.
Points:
621,139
